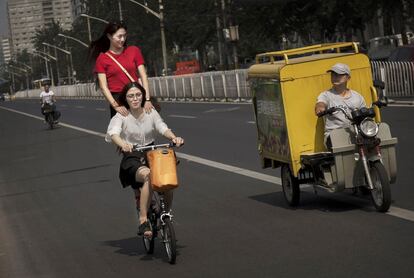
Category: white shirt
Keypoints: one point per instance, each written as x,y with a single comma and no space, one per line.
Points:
47,97
140,131
332,99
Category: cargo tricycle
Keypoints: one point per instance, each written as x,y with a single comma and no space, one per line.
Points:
285,86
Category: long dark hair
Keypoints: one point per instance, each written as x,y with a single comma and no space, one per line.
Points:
102,44
122,98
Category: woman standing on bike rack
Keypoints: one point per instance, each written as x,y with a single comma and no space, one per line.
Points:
138,128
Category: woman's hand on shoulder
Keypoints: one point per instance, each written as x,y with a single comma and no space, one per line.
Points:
127,148
178,141
122,110
148,106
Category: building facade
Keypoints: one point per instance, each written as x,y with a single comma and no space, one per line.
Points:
25,16
5,50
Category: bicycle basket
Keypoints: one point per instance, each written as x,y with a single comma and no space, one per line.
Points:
163,165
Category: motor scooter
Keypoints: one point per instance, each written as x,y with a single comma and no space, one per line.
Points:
367,170
51,114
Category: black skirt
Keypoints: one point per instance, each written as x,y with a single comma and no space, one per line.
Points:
130,164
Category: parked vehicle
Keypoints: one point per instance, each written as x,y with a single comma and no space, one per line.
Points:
380,48
403,53
290,136
4,97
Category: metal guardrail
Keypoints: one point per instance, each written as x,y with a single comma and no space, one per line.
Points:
397,76
233,85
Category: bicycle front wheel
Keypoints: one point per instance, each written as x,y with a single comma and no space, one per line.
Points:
170,244
148,244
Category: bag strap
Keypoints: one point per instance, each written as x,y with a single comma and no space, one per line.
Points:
122,68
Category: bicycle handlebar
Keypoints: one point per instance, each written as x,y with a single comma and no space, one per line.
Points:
153,147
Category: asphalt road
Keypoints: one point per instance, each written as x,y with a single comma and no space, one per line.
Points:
64,214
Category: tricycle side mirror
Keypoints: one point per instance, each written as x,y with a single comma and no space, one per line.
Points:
379,84
381,102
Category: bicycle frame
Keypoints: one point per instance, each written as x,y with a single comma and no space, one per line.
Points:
160,218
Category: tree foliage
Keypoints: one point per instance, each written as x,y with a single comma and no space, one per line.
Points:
264,25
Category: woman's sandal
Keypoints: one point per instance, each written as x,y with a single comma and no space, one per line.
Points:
145,227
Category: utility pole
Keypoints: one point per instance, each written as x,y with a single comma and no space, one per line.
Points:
225,34
219,36
51,69
160,16
56,61
120,10
164,47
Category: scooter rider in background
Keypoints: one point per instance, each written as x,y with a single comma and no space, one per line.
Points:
48,97
338,96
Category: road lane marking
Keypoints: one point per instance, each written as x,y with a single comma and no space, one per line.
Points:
100,109
401,213
401,105
394,211
215,110
229,168
182,116
251,122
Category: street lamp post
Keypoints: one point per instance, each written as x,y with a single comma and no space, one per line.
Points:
23,64
46,60
64,51
57,62
78,41
120,10
50,57
74,39
25,71
89,24
13,85
28,68
160,16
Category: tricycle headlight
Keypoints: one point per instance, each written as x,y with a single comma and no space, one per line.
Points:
368,127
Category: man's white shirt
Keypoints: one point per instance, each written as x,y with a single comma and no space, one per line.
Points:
47,97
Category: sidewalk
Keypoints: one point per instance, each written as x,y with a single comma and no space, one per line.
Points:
404,101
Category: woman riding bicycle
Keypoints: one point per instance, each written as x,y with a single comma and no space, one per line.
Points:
138,128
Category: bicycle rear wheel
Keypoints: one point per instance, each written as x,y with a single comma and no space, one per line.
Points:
168,236
149,241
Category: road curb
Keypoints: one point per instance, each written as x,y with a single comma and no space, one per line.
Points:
401,102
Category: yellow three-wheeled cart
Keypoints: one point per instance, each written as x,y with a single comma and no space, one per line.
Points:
285,86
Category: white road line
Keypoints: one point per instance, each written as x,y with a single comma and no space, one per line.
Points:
394,211
402,213
182,116
251,122
215,110
100,109
233,169
401,105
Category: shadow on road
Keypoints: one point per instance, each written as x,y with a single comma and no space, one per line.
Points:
340,202
133,246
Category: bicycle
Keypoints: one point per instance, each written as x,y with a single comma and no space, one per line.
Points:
161,220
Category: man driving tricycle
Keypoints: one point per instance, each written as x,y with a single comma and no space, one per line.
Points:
360,152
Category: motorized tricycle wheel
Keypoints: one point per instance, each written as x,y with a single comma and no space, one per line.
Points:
290,185
381,194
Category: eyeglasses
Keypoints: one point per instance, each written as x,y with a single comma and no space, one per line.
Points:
132,96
